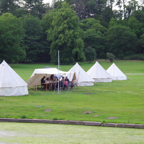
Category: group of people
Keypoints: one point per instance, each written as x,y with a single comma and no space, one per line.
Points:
64,83
52,82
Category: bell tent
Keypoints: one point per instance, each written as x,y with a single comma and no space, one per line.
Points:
11,84
116,73
81,77
99,74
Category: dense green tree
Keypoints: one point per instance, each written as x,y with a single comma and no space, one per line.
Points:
65,35
19,12
36,50
47,20
120,21
121,41
79,6
87,23
46,23
58,4
94,7
102,10
105,16
136,26
8,6
70,2
90,54
35,7
88,8
94,35
11,38
139,15
140,45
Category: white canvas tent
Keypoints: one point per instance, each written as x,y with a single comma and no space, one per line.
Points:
99,74
11,84
37,75
116,73
82,78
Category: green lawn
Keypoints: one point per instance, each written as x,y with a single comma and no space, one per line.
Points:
121,99
24,133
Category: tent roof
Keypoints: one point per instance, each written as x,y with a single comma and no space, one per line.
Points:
116,73
81,75
48,71
97,71
9,78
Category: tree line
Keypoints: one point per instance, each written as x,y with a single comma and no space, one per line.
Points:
32,31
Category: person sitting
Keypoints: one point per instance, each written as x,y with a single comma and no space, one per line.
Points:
61,83
72,85
47,83
56,82
65,84
52,77
55,78
47,80
66,79
43,81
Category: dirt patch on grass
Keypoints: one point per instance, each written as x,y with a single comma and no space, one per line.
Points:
87,112
89,93
112,118
96,115
47,110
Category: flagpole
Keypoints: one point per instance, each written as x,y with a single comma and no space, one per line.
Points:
58,71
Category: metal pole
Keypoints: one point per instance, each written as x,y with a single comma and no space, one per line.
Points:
58,71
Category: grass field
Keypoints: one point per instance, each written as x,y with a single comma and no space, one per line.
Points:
123,100
19,133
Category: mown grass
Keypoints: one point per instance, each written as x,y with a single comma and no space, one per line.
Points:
121,99
25,133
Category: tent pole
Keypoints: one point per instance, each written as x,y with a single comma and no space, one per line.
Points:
58,71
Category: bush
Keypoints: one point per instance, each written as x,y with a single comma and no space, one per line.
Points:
110,56
134,57
23,116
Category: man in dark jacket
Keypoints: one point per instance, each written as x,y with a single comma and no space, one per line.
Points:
43,81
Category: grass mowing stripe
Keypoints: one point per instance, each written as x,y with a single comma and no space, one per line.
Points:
24,133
